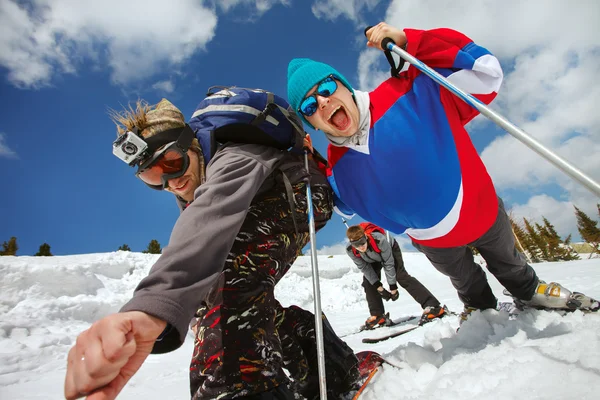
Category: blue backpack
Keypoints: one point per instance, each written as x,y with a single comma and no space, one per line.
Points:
232,114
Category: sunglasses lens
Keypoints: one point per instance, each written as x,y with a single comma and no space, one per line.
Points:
327,87
308,106
170,162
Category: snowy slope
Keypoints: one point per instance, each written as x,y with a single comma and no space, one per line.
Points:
46,302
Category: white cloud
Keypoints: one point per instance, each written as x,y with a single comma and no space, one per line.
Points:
135,38
164,86
350,9
261,6
5,151
335,249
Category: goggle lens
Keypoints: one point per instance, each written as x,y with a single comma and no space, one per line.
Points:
360,242
167,163
326,88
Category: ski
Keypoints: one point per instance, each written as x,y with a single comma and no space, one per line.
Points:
364,385
369,363
390,323
390,336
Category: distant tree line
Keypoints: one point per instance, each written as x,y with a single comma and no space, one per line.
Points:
541,242
11,247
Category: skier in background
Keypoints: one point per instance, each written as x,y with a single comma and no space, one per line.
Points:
371,251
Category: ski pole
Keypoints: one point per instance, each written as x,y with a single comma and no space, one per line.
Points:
316,288
345,223
560,163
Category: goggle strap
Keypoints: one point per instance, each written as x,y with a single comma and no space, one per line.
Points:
183,137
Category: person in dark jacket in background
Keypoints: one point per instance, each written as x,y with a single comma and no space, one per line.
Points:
371,251
235,239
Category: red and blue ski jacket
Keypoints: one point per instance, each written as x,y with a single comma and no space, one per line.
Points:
420,172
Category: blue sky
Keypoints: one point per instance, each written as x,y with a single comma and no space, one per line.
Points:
63,66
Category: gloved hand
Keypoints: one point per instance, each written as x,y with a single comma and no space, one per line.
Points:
384,293
394,295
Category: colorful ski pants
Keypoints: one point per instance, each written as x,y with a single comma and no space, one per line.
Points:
238,350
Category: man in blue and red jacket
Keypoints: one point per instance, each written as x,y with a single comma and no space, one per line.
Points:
401,158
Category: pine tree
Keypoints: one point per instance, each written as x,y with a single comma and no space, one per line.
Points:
521,238
571,253
588,229
153,247
124,247
535,244
44,250
557,249
9,248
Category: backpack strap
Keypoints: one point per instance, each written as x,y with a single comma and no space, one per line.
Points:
373,243
291,198
369,228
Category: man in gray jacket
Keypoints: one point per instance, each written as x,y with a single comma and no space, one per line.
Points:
371,251
235,239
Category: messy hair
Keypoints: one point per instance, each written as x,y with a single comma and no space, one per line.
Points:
150,119
130,117
355,232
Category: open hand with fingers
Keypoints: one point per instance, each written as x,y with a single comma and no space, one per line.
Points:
109,353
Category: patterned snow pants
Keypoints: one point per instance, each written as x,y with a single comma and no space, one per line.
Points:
238,351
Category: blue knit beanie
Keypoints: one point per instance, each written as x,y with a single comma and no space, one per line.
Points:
303,74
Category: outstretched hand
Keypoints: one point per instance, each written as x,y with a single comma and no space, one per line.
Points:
382,30
109,353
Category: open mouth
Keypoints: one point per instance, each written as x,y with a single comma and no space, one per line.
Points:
339,119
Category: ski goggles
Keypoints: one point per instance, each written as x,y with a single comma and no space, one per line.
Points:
170,161
359,242
325,88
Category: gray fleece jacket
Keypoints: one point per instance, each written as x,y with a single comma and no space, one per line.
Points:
370,256
205,231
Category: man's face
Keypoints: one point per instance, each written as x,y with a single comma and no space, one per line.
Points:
337,114
185,185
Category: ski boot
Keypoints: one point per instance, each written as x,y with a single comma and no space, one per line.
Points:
553,296
430,313
376,321
465,314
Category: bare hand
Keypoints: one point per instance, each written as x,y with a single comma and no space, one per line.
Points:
382,30
308,143
109,353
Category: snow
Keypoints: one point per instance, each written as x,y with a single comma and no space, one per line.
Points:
45,302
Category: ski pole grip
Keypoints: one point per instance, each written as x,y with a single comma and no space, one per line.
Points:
384,42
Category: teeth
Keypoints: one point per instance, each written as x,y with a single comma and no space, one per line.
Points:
333,112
